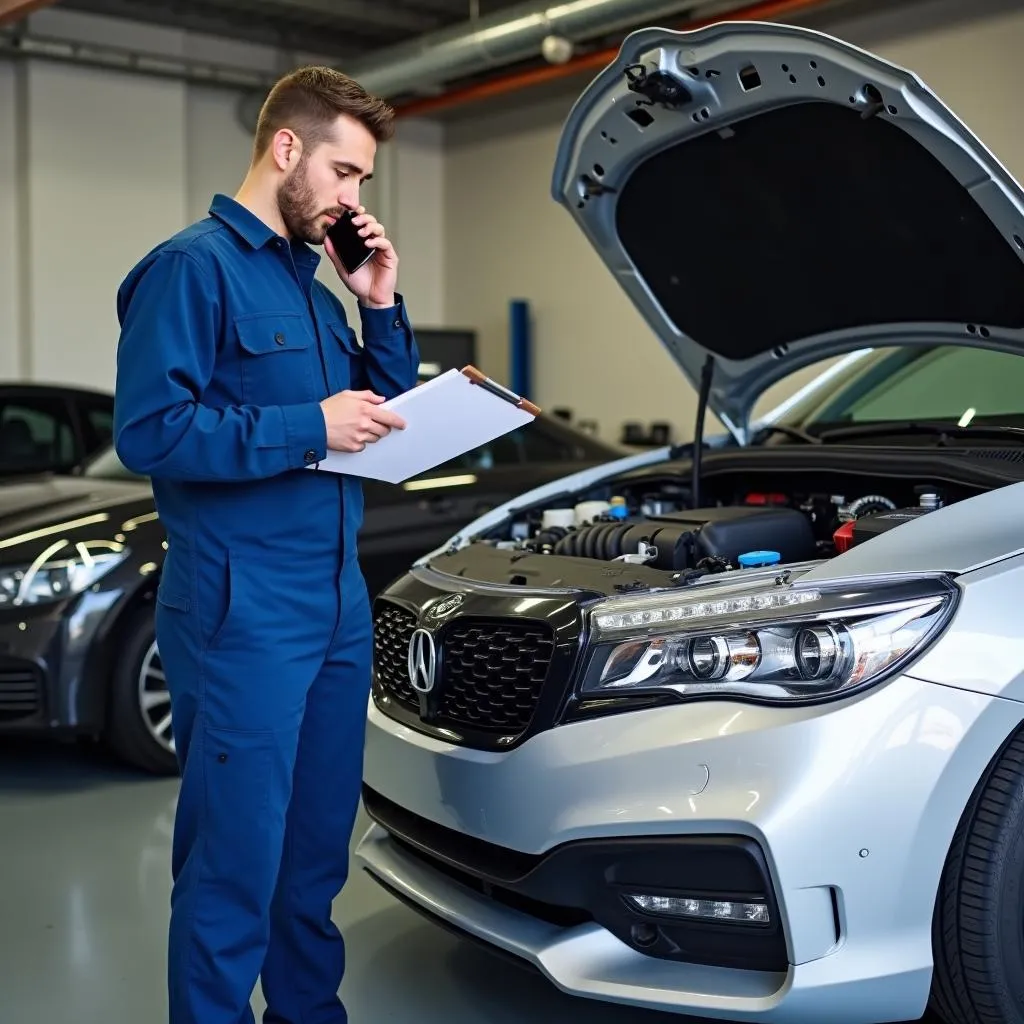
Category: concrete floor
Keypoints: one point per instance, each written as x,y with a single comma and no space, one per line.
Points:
84,847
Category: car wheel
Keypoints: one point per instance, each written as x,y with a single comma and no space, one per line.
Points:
140,708
978,932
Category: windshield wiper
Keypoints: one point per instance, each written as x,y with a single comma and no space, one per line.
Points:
943,431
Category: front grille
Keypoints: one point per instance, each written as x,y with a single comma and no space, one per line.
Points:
491,671
392,629
19,692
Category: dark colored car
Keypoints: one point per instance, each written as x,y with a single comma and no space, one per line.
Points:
80,557
51,428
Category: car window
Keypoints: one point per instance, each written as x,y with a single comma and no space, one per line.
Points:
944,382
530,443
35,435
100,422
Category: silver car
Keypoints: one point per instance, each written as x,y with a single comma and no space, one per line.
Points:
735,730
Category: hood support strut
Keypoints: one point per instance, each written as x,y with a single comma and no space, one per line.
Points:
707,373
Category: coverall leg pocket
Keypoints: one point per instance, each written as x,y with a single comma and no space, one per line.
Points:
234,791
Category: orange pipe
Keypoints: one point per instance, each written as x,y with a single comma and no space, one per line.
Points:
14,10
765,11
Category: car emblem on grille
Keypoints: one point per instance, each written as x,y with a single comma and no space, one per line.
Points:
422,661
445,606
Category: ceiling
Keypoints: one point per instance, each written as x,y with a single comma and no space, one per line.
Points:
351,31
336,28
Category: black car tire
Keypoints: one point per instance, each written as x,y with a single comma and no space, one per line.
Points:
978,932
127,731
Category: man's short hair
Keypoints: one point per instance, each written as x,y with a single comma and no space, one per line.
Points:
309,101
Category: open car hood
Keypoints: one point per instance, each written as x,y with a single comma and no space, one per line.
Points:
771,196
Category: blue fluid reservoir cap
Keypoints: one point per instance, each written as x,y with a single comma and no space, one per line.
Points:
618,512
751,559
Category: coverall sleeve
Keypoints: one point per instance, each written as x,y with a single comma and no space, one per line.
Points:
391,356
170,320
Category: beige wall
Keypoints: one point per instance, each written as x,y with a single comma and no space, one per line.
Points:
10,203
507,238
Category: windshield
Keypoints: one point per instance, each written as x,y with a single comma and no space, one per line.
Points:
107,466
947,383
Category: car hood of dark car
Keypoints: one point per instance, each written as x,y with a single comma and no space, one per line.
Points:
33,510
770,196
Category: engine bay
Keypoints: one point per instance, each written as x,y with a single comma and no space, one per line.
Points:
756,509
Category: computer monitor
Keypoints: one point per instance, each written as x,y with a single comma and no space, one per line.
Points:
443,349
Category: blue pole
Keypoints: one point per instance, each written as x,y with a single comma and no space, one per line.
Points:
519,348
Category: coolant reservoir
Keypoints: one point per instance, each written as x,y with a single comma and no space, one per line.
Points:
552,517
588,511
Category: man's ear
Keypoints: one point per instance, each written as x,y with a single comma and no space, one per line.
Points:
285,149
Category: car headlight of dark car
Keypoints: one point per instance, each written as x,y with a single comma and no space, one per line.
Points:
774,644
61,570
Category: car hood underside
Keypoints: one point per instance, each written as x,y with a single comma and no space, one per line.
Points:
770,197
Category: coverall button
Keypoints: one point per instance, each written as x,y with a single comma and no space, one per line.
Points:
398,323
279,338
310,455
222,758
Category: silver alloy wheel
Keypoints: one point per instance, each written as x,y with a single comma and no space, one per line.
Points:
154,699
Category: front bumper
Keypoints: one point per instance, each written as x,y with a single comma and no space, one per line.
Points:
850,808
46,658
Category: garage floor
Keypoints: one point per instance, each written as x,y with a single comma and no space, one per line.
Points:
83,908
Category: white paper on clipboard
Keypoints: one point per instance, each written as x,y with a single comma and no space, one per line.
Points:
451,414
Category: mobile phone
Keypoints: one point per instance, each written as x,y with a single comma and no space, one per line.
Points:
350,246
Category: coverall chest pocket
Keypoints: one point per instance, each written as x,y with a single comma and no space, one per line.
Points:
276,358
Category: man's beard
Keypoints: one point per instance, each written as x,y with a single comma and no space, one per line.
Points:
298,206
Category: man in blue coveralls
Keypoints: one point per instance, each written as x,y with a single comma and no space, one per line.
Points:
236,372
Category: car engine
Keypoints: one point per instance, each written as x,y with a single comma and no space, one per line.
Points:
646,519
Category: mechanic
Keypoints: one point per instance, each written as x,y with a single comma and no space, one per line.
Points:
236,372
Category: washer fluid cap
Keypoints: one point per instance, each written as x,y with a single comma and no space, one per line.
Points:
751,559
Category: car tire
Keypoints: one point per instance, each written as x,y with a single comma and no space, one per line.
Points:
131,726
978,931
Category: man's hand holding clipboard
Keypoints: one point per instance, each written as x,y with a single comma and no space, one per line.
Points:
445,417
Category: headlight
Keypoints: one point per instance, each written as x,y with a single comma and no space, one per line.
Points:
779,643
62,570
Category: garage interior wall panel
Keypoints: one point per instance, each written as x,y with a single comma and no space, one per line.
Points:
506,238
218,148
106,181
418,183
10,235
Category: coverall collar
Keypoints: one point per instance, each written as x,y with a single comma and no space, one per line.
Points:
241,220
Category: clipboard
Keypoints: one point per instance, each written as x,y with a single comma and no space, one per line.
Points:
447,416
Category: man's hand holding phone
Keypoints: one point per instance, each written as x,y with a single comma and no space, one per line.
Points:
364,258
355,419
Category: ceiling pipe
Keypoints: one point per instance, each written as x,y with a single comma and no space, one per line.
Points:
14,10
767,10
512,35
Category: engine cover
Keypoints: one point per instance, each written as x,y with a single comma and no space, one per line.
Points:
684,539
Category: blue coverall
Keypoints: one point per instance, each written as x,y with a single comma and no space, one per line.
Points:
227,347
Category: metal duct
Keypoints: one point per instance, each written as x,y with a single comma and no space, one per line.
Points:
511,35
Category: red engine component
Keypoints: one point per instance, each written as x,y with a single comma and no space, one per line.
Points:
757,498
843,537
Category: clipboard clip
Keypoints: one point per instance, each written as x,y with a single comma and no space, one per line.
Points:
499,390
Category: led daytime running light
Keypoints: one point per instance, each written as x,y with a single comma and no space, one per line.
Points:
612,621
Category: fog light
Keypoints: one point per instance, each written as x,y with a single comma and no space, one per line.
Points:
644,935
709,910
